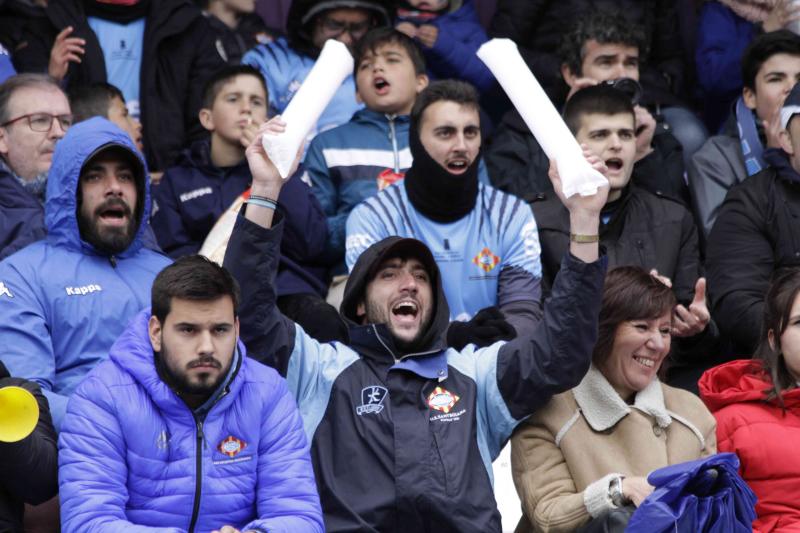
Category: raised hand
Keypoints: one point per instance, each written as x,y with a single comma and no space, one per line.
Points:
645,129
65,49
689,322
427,35
266,178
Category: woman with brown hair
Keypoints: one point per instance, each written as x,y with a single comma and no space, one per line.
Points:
757,407
589,450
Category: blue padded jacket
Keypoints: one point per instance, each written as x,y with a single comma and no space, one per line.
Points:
131,453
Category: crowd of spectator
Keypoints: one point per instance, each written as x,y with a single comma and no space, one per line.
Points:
212,347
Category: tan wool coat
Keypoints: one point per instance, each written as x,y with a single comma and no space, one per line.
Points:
564,456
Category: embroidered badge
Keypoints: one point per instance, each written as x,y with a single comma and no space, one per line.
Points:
231,446
486,260
371,400
442,400
387,177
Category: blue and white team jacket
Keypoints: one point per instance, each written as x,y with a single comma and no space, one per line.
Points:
490,257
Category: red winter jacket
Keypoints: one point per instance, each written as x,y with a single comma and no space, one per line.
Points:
762,435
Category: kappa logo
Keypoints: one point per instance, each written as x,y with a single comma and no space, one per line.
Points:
231,446
486,260
442,399
197,193
4,290
81,291
371,400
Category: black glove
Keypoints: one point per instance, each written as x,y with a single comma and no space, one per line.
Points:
488,326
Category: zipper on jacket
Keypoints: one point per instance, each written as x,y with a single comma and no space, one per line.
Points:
198,475
113,260
393,137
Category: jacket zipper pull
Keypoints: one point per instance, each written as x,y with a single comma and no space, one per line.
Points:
113,260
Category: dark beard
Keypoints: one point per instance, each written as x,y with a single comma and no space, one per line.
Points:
112,241
374,315
179,382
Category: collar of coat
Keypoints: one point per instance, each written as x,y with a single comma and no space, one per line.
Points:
602,407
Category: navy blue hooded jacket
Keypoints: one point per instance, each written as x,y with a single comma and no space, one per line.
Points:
21,215
62,302
194,194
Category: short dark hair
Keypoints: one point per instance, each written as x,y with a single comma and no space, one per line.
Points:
378,37
764,47
19,82
223,76
93,100
630,293
605,27
456,91
783,290
192,277
600,99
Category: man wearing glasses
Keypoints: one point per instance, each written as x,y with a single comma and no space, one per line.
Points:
285,62
34,115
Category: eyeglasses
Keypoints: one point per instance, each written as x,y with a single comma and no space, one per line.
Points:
335,28
42,122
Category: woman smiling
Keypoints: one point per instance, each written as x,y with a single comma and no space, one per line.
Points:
589,450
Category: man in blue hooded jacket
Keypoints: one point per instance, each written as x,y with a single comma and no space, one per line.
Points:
64,300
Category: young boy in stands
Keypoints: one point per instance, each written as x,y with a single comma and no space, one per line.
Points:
355,160
637,228
105,100
213,173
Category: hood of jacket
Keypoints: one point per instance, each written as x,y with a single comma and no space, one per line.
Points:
72,152
133,353
299,25
433,338
739,381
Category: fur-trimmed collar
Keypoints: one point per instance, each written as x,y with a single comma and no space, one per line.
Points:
602,407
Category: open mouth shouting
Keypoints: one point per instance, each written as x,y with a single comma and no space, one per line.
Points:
614,165
381,86
457,165
114,212
405,311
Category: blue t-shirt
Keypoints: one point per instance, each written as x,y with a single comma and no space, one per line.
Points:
489,257
122,50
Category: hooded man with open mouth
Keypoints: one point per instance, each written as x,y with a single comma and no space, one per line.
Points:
68,297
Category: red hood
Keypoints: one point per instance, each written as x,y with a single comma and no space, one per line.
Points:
739,381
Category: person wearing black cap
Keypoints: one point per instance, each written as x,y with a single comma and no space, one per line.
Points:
403,428
286,62
755,235
484,241
65,300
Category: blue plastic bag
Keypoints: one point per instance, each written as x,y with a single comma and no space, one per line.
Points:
706,495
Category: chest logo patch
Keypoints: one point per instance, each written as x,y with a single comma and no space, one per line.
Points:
486,260
231,446
388,177
372,400
4,291
442,399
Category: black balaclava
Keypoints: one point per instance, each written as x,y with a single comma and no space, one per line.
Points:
435,192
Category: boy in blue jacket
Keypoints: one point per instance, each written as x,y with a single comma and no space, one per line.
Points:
354,161
450,34
213,173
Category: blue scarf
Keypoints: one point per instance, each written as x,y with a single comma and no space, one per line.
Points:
752,149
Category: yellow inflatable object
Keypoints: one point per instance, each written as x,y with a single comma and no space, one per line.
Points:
19,413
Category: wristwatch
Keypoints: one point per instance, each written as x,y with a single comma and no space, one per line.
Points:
615,492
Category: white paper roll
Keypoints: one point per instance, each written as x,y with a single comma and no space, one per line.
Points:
524,91
332,67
